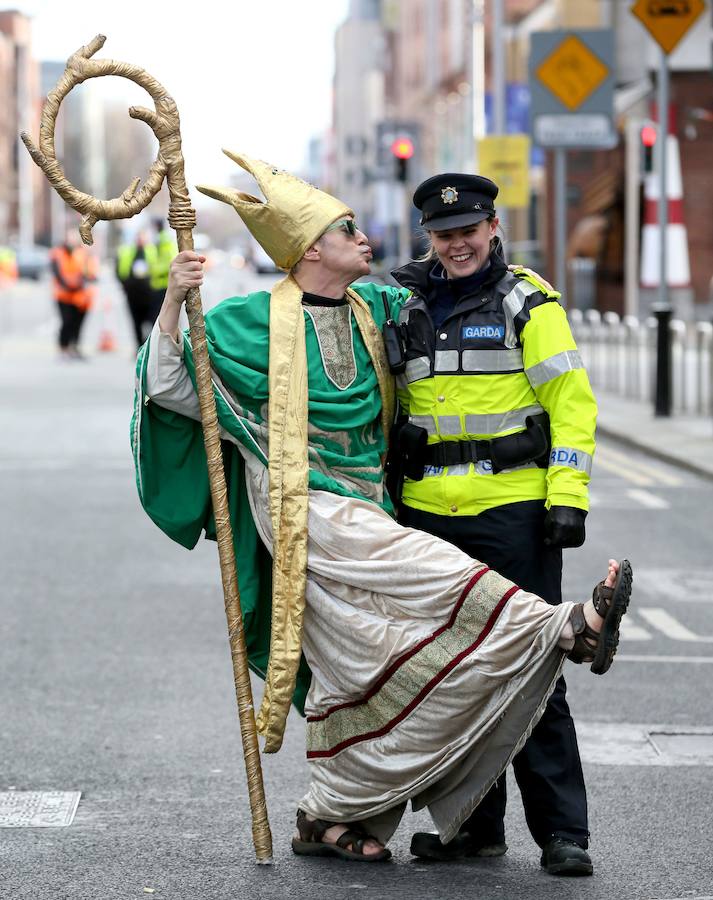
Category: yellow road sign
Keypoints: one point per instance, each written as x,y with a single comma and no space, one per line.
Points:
667,21
572,72
506,159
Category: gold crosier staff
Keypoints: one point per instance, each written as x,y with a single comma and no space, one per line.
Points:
165,124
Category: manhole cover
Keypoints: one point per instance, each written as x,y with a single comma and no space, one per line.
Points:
37,809
696,744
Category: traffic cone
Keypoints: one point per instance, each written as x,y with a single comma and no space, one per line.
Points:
678,269
107,337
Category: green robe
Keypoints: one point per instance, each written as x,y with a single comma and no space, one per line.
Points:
346,444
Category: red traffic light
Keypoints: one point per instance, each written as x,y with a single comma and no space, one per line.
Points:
402,148
648,135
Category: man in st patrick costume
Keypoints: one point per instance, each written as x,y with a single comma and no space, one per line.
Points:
420,671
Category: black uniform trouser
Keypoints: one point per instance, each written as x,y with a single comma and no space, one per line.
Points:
548,769
139,301
71,318
155,303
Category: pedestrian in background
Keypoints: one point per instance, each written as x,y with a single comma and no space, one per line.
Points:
497,439
132,270
8,267
74,273
159,255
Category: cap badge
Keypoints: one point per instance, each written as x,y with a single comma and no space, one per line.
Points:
449,195
477,206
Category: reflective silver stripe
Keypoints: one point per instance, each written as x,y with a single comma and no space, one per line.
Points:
553,367
450,425
446,361
492,360
571,458
513,304
427,422
497,422
418,368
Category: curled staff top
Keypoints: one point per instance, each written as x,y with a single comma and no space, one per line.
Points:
163,121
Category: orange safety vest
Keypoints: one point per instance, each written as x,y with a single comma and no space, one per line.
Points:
75,269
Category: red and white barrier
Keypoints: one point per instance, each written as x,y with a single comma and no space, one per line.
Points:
678,269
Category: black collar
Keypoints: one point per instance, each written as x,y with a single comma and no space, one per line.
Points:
416,275
316,300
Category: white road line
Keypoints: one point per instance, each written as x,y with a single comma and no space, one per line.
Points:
659,474
630,631
647,499
625,473
652,658
670,627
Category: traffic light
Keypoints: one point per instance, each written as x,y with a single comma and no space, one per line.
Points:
648,134
402,151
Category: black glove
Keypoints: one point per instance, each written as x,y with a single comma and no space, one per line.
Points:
564,527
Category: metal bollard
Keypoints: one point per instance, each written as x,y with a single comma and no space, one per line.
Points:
610,346
632,329
593,320
704,367
662,396
679,374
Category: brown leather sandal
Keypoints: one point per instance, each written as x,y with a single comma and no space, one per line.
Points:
611,603
349,845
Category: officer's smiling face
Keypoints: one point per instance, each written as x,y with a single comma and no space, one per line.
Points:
463,251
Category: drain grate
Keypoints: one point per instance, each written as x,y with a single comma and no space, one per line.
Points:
38,809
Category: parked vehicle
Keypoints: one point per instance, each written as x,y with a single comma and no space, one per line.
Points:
32,262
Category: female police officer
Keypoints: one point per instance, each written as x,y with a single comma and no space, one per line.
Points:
495,453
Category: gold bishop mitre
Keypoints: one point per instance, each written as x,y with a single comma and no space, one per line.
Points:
292,217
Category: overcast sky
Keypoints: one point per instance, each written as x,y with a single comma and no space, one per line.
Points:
251,75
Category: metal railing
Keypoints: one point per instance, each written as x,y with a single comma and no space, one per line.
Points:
620,356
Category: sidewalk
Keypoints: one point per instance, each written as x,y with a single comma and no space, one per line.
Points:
685,441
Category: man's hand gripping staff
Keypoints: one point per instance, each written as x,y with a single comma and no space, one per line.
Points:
164,122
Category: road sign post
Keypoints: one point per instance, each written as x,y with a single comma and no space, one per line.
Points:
572,96
667,21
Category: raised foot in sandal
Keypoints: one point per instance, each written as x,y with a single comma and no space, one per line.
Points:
610,601
350,845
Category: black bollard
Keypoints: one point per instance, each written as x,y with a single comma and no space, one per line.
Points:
662,400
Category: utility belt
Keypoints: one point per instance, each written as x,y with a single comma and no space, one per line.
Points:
412,452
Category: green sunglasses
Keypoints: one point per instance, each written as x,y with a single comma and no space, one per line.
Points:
347,225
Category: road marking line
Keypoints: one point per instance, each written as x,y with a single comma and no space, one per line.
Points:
652,658
630,631
627,474
647,499
659,474
669,626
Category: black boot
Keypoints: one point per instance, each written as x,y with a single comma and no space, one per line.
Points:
429,846
563,857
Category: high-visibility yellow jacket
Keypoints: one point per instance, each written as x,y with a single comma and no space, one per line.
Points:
502,355
158,258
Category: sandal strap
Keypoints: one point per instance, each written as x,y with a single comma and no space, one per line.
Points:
311,831
576,618
585,638
352,840
602,598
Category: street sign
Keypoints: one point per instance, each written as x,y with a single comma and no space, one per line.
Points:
667,21
505,158
572,89
572,72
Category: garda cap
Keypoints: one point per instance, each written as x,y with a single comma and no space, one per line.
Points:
454,201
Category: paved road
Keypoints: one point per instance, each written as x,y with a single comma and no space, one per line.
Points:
116,679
